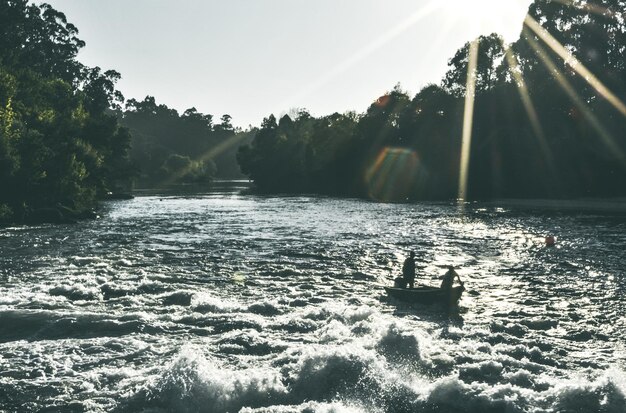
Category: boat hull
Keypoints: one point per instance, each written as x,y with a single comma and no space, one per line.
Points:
426,295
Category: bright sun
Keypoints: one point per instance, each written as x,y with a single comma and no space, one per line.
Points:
486,16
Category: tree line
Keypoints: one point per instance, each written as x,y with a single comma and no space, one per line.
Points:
59,144
548,120
172,148
67,136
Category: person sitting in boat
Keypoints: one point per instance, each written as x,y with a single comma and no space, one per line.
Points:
448,279
408,270
399,282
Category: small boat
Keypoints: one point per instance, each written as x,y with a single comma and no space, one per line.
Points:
426,295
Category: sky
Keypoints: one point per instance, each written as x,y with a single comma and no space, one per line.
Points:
252,58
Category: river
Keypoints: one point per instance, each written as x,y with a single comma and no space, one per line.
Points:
228,302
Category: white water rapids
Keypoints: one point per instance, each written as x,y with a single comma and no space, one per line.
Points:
225,302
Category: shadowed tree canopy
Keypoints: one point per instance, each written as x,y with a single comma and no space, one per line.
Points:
548,121
170,148
59,143
490,57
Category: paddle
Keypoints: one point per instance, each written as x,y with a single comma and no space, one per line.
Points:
473,292
459,278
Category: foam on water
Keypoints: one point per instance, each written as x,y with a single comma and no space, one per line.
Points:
226,303
206,303
369,376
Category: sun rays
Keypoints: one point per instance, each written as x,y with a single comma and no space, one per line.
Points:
400,158
392,165
533,116
213,153
567,87
481,14
534,27
575,64
364,52
468,119
531,26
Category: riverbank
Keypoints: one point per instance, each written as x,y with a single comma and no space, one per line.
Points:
55,214
58,214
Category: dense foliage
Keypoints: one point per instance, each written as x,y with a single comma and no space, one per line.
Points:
548,121
542,126
59,143
170,148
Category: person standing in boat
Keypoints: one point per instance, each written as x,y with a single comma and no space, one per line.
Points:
408,270
448,279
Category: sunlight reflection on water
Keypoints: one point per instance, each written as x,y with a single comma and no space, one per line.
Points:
223,301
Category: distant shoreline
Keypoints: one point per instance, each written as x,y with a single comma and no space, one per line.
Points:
617,204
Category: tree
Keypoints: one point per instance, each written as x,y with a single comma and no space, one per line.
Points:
160,133
59,143
490,56
542,126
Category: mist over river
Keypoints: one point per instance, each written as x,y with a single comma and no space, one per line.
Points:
229,302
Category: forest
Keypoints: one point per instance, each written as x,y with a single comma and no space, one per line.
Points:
541,117
548,121
168,148
61,147
68,138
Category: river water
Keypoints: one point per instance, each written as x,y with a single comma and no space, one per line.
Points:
226,302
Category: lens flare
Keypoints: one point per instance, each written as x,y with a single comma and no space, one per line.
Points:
392,176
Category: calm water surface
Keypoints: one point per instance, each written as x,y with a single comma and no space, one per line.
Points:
225,302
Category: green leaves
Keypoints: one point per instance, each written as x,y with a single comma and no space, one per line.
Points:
56,137
540,127
170,148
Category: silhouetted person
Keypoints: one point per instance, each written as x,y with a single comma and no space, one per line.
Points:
408,270
399,282
448,279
